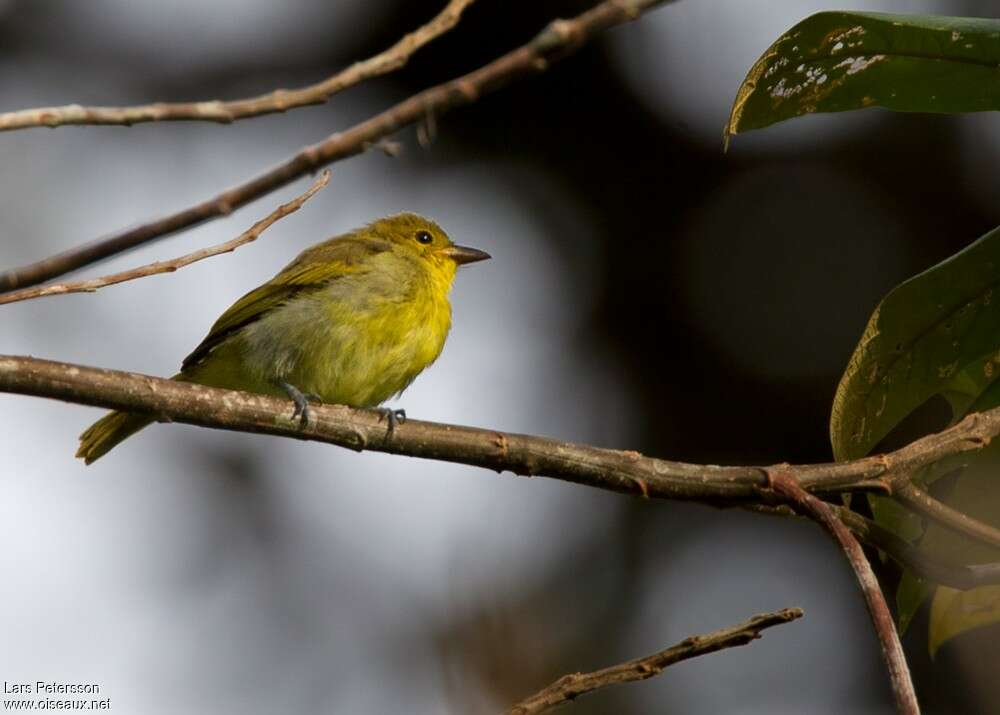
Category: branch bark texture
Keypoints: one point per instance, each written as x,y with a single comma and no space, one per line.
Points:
569,687
615,470
560,38
892,650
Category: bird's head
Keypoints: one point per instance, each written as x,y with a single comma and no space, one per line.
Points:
422,237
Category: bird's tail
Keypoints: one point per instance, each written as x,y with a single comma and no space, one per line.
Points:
107,432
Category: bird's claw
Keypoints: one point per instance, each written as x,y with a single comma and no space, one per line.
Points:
392,417
301,400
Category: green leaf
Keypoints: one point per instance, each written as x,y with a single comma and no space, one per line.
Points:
911,593
896,518
955,612
918,342
936,334
985,385
839,61
974,388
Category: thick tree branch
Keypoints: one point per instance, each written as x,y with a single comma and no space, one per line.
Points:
569,687
560,38
152,269
280,100
789,489
614,470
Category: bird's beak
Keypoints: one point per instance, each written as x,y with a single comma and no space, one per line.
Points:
463,254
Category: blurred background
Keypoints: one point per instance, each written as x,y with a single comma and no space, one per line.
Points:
647,292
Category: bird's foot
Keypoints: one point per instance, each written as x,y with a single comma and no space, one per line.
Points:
392,417
301,400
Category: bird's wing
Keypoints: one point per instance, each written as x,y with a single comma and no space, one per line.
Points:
311,270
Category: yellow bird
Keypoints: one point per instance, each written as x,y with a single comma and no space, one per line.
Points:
351,321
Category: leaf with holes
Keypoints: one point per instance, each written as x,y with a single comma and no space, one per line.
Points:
839,61
923,334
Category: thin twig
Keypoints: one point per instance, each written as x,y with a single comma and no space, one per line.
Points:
942,514
280,100
615,470
925,565
569,687
985,574
789,489
559,39
151,269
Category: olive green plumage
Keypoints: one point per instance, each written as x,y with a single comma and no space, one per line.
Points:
352,320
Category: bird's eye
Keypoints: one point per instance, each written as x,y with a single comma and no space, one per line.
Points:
424,237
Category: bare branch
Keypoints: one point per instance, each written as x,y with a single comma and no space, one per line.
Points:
621,471
569,687
559,39
280,100
942,514
785,485
984,574
151,269
925,565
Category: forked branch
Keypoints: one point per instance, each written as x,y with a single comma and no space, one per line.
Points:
802,501
615,470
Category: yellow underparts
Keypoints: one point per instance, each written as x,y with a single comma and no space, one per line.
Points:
356,338
356,342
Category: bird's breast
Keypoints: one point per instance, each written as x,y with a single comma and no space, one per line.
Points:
355,344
